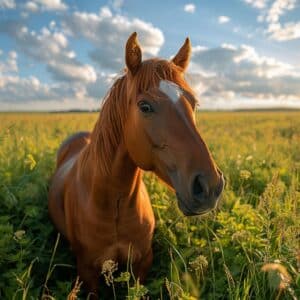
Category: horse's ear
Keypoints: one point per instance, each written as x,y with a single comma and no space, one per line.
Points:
133,54
182,58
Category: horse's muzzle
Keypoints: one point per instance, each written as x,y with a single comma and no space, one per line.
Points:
203,197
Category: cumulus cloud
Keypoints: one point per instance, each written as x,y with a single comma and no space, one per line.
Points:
271,16
29,93
189,8
276,30
52,49
108,33
219,75
73,80
7,4
278,8
31,6
223,19
35,5
74,71
45,5
15,89
229,72
289,31
10,65
257,3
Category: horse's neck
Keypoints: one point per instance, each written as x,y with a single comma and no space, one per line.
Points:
121,184
125,175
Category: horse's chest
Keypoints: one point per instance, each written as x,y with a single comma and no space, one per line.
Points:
133,240
118,241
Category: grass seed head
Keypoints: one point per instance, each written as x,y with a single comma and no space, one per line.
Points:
108,268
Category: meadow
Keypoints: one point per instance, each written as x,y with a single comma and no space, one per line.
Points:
248,249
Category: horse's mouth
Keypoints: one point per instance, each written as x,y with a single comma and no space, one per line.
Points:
189,212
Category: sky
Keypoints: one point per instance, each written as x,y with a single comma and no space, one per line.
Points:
65,54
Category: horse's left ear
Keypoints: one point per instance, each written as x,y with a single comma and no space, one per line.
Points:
133,54
182,58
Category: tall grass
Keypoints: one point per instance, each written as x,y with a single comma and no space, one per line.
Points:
248,249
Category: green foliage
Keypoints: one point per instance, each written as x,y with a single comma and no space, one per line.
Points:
248,249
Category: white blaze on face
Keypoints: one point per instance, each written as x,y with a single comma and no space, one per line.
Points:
171,89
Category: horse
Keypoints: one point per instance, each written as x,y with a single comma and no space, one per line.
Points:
97,197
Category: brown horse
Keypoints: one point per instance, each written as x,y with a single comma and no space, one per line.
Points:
97,197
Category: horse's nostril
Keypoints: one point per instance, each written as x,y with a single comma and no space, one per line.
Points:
199,188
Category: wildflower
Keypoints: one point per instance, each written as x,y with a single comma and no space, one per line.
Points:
199,263
138,291
30,162
245,174
241,235
108,268
124,277
19,234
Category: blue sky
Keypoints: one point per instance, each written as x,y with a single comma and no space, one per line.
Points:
59,54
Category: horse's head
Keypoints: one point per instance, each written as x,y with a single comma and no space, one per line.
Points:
160,131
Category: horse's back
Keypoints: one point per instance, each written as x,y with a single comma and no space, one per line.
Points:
71,146
66,157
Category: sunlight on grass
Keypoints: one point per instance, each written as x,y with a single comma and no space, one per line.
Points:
248,249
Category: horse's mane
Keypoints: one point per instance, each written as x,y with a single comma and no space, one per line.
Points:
108,129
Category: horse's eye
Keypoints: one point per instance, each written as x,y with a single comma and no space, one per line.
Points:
145,107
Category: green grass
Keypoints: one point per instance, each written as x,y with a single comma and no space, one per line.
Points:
248,249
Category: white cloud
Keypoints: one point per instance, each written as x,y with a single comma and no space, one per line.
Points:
257,3
228,46
29,93
17,92
289,31
223,19
7,4
31,6
219,75
52,24
73,71
278,8
105,12
76,85
52,49
14,88
117,4
236,72
190,8
271,15
45,5
276,30
108,33
10,65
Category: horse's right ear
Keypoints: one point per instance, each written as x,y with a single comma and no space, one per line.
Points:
133,54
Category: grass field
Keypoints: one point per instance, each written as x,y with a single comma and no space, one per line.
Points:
248,249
